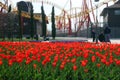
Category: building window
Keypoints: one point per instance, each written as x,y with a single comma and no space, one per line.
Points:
117,12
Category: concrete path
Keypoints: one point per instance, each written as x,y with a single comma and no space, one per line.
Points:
115,41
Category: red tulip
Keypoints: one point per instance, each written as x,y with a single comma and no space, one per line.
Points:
62,66
98,65
68,60
117,62
93,58
103,61
10,62
33,57
35,66
44,62
73,60
56,58
84,63
98,54
111,59
1,62
54,64
85,55
1,50
19,60
74,67
38,59
107,63
28,60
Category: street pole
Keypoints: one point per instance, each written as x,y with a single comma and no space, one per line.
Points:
96,24
64,21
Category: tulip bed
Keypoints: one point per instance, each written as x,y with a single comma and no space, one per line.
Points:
59,61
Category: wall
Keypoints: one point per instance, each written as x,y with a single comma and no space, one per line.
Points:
114,18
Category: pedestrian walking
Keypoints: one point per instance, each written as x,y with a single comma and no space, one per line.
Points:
93,35
36,37
107,32
101,37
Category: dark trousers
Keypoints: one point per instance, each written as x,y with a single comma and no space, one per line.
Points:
93,38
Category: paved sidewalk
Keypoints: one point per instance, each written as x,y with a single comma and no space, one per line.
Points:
115,41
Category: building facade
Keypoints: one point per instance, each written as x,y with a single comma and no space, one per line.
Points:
9,23
111,16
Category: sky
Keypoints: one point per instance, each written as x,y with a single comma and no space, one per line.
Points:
61,4
64,4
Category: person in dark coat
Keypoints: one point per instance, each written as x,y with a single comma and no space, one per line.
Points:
101,37
37,37
93,35
107,32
